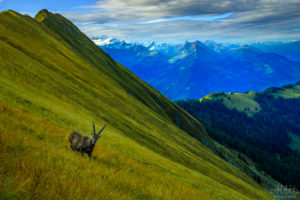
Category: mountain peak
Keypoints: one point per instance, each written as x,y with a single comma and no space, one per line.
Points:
150,46
54,21
42,14
60,25
12,12
106,41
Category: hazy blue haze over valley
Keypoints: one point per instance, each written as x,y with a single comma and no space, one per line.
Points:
195,69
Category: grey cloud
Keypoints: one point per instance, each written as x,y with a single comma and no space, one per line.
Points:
180,31
137,10
124,19
182,7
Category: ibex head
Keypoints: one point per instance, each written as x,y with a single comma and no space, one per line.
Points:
95,136
85,144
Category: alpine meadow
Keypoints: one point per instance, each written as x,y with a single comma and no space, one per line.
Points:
53,80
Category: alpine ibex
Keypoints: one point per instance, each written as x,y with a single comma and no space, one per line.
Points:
85,144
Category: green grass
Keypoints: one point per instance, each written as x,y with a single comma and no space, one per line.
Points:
243,102
53,80
288,93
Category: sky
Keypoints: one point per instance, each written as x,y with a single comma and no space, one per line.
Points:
236,21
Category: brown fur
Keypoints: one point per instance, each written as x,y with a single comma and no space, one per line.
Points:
80,143
85,144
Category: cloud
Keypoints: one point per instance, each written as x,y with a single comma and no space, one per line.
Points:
186,19
139,10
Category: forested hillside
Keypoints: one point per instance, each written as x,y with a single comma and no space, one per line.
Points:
265,126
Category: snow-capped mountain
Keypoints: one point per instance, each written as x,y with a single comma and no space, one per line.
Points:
112,43
106,41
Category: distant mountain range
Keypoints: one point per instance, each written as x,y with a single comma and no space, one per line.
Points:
195,69
290,50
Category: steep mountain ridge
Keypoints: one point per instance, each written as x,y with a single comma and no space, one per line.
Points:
55,80
145,94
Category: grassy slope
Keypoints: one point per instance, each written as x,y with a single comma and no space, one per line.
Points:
54,80
243,102
288,93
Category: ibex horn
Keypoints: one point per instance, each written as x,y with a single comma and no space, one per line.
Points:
94,132
102,129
